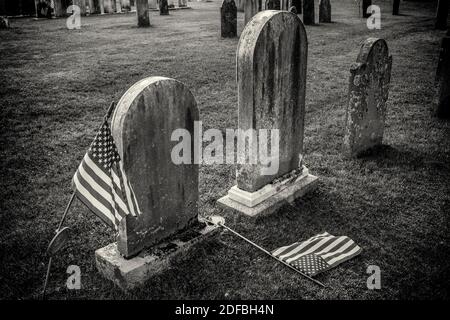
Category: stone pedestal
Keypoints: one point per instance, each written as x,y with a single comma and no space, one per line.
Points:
131,273
271,197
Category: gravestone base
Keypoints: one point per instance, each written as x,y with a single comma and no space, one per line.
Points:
271,197
131,273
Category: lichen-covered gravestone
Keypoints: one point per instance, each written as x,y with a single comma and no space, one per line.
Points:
163,8
324,11
368,94
271,76
443,79
143,125
308,12
142,13
251,7
228,19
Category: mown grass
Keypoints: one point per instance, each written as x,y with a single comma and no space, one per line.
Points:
57,83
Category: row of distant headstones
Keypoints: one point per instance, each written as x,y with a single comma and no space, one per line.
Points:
167,104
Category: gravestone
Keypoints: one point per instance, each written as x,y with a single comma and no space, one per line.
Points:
142,13
163,8
396,7
4,23
443,79
324,11
182,3
365,5
442,14
108,6
273,5
271,81
152,4
167,194
308,12
368,94
228,19
298,5
251,7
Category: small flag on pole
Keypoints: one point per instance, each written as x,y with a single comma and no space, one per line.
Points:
319,253
100,181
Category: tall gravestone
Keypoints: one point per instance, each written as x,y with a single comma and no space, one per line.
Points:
308,12
368,94
167,194
163,8
251,7
271,81
443,79
142,13
365,5
324,11
228,19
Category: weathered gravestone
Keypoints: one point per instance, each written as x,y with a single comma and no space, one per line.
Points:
368,94
273,5
4,23
365,5
143,123
142,13
396,7
228,19
251,7
271,76
308,12
163,8
442,14
443,79
324,11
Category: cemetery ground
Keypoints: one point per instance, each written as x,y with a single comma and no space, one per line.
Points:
57,83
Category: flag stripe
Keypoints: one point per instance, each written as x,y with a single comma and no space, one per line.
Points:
347,255
330,255
128,192
311,249
92,202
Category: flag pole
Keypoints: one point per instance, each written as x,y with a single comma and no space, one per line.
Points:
220,223
63,218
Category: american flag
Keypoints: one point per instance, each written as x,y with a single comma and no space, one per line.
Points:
319,253
100,181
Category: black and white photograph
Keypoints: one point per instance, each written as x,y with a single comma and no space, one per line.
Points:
223,155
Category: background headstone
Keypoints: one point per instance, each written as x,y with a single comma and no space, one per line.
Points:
443,79
142,13
308,12
293,9
396,7
163,8
228,19
167,194
152,4
368,94
273,5
4,23
251,7
442,14
366,4
324,11
271,80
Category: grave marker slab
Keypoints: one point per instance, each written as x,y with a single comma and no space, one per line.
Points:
368,94
228,19
324,11
271,76
142,13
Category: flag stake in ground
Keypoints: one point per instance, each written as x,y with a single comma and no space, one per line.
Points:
216,220
63,218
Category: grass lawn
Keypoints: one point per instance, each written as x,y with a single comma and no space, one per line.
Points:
57,83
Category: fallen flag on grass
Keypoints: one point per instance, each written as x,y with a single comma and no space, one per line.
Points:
100,182
319,253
